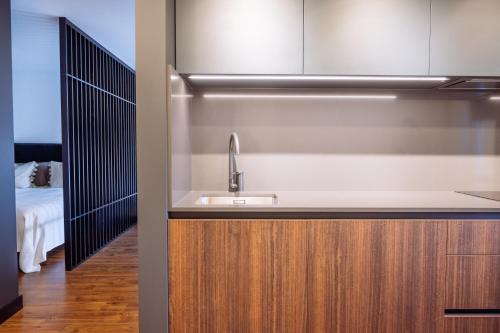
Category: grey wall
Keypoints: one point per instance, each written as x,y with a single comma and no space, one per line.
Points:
179,137
421,141
37,87
8,257
155,50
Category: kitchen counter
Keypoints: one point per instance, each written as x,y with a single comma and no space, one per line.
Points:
445,204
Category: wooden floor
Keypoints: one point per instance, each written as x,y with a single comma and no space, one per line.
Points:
99,296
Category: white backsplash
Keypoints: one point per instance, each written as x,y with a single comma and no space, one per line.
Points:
327,172
421,141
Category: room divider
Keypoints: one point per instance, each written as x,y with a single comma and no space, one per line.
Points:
99,144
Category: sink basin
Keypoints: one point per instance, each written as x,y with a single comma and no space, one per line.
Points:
237,199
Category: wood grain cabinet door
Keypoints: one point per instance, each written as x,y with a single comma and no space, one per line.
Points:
237,276
473,282
473,277
375,276
472,324
474,237
306,276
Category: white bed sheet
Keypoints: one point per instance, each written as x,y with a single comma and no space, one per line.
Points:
40,225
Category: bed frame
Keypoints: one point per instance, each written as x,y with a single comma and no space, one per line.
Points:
39,152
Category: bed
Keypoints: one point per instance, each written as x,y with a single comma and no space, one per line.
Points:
40,225
39,211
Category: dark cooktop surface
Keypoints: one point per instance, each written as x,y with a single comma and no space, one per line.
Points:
490,195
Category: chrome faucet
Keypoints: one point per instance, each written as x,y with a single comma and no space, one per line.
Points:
235,177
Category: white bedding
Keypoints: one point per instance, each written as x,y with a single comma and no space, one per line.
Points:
40,225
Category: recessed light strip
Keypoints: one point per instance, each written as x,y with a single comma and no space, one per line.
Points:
297,96
314,78
494,98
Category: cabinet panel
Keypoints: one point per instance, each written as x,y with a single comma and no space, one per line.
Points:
464,37
474,237
472,325
473,282
306,276
363,37
228,276
239,36
376,276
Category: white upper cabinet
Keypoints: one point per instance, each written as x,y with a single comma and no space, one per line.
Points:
465,37
366,37
239,36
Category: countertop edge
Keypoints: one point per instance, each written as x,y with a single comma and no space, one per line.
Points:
365,214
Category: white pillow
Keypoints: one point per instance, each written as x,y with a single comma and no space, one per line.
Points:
56,174
25,172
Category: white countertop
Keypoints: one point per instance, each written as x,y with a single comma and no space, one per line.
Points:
350,201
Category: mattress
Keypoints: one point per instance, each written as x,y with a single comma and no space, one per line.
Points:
40,225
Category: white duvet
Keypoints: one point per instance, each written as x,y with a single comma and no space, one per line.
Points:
40,225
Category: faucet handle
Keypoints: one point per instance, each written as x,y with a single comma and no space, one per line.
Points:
240,181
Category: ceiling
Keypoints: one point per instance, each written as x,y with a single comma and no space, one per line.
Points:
110,22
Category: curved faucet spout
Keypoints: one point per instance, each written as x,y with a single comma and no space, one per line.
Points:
234,144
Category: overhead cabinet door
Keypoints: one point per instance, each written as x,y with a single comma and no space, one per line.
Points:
239,36
465,37
366,37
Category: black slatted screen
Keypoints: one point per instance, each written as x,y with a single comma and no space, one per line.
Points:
99,150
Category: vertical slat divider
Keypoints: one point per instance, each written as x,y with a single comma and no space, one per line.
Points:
85,164
108,158
93,151
99,147
77,166
100,143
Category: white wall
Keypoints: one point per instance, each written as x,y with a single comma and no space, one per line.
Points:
36,82
109,22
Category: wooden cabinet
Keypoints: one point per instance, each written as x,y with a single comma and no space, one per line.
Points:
464,39
474,237
473,277
473,282
237,276
306,276
374,276
362,37
239,36
334,276
472,324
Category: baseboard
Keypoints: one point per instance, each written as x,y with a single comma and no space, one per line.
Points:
10,309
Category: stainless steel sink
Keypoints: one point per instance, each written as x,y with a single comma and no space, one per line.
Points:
237,199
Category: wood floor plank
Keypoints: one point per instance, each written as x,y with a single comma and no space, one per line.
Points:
100,296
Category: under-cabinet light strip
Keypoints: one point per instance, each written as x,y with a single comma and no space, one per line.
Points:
313,78
182,96
299,96
494,98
